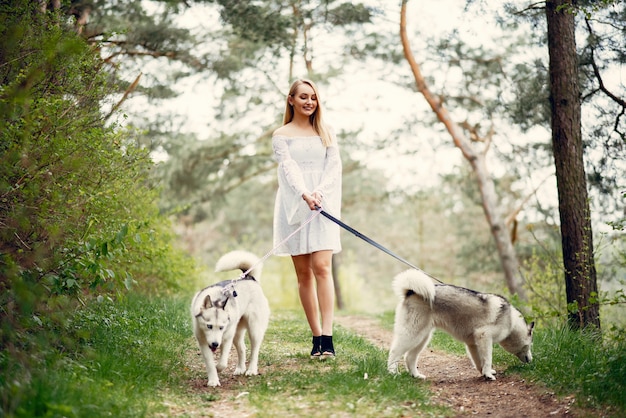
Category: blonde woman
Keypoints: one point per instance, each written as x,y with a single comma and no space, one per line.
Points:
309,175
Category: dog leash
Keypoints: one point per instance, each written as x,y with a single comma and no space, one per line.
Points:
230,287
371,242
318,210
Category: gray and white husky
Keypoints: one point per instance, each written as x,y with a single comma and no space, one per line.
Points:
477,319
223,312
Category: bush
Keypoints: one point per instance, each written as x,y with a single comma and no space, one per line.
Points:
78,215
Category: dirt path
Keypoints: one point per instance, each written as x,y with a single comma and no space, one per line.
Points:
452,379
457,385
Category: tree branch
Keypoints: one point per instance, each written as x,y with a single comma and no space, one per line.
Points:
509,219
128,91
540,5
596,71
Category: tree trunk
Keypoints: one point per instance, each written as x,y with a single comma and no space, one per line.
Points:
576,235
489,199
338,295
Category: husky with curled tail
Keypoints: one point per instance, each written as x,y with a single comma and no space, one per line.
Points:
477,319
223,312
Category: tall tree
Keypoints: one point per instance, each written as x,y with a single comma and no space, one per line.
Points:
576,232
477,160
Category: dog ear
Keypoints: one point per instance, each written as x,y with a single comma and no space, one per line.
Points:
207,302
224,304
531,327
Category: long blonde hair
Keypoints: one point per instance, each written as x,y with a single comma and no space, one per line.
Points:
316,119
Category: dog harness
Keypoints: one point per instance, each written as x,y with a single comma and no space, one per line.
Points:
225,284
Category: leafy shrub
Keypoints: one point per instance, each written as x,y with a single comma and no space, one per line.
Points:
78,214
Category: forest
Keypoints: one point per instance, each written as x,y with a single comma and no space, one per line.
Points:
484,143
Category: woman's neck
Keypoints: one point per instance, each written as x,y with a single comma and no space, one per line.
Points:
301,122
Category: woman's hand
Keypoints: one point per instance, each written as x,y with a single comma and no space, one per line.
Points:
314,200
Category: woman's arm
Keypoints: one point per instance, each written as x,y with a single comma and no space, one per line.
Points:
287,167
332,171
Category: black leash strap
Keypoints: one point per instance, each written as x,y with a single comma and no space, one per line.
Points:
372,242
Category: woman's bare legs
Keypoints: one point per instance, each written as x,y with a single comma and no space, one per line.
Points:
306,291
321,262
316,289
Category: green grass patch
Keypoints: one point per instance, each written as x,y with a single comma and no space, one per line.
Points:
122,354
355,382
581,363
127,358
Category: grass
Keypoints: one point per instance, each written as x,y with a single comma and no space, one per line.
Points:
355,383
122,354
582,363
128,358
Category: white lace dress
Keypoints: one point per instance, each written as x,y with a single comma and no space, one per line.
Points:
305,165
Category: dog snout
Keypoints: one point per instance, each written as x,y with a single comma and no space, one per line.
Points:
214,345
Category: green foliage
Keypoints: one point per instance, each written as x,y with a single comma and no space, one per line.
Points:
256,22
76,197
204,171
271,24
78,215
581,362
349,13
116,357
600,38
543,276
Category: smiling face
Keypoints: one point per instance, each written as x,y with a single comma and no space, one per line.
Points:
304,100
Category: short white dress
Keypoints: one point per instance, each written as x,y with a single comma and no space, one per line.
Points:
306,165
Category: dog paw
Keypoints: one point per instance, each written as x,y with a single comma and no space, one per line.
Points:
393,368
213,383
418,375
250,372
239,371
489,377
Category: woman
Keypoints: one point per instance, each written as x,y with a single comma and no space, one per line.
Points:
309,176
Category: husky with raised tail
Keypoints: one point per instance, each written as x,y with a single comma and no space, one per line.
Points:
223,312
477,319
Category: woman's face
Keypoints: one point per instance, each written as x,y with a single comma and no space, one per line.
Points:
304,100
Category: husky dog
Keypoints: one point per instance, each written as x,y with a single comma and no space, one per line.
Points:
477,319
223,312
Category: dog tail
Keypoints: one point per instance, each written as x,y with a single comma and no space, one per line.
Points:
240,260
411,282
